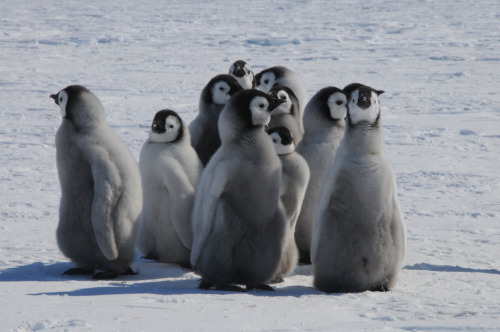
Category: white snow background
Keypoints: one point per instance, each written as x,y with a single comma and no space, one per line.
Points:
438,61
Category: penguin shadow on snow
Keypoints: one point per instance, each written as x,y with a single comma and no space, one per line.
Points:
447,268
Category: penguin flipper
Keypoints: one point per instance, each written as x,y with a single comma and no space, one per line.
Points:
107,193
210,188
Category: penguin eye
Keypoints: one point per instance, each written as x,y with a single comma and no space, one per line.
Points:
171,126
338,102
221,88
261,105
266,81
60,99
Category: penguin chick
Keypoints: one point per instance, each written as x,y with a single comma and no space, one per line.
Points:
243,74
203,129
288,113
294,179
170,170
324,121
101,196
238,220
359,236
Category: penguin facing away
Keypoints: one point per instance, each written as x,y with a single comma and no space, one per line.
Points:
324,121
359,239
294,179
282,76
243,74
170,170
203,129
101,195
238,220
288,113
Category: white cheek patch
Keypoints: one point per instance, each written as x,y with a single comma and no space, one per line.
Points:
62,99
269,78
337,103
220,93
260,115
369,114
172,126
284,149
286,107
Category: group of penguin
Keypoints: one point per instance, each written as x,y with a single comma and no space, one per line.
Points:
262,179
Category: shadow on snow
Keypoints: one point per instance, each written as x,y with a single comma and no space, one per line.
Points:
447,268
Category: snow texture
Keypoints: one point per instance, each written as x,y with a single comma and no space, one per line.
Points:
438,62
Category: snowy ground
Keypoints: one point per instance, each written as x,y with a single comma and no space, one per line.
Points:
438,62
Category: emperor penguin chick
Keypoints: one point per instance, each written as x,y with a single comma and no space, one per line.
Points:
288,113
282,76
359,235
203,129
243,74
324,120
101,196
170,170
294,179
238,220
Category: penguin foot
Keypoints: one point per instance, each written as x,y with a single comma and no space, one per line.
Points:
129,272
204,284
79,271
276,280
263,287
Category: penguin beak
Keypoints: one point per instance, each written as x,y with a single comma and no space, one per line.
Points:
275,102
239,72
55,99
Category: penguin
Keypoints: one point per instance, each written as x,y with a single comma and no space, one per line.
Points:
243,74
359,239
288,113
294,179
324,121
282,76
203,129
101,193
170,170
238,220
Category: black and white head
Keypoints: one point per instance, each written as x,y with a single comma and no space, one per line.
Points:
167,127
243,74
364,106
282,140
329,103
219,89
80,106
266,79
247,110
290,103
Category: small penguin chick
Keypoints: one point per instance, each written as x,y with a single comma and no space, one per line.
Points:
166,127
282,139
243,74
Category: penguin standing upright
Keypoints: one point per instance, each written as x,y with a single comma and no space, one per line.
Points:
203,129
243,74
170,170
359,236
101,196
238,219
324,121
282,76
294,179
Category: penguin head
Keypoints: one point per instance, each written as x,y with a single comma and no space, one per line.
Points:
363,105
265,80
219,89
80,106
290,103
167,127
282,140
337,104
243,74
247,110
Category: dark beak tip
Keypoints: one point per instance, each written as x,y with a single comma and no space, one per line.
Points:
55,98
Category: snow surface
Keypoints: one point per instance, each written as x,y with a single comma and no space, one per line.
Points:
438,62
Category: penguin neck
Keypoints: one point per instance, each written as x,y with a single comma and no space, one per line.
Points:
364,138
